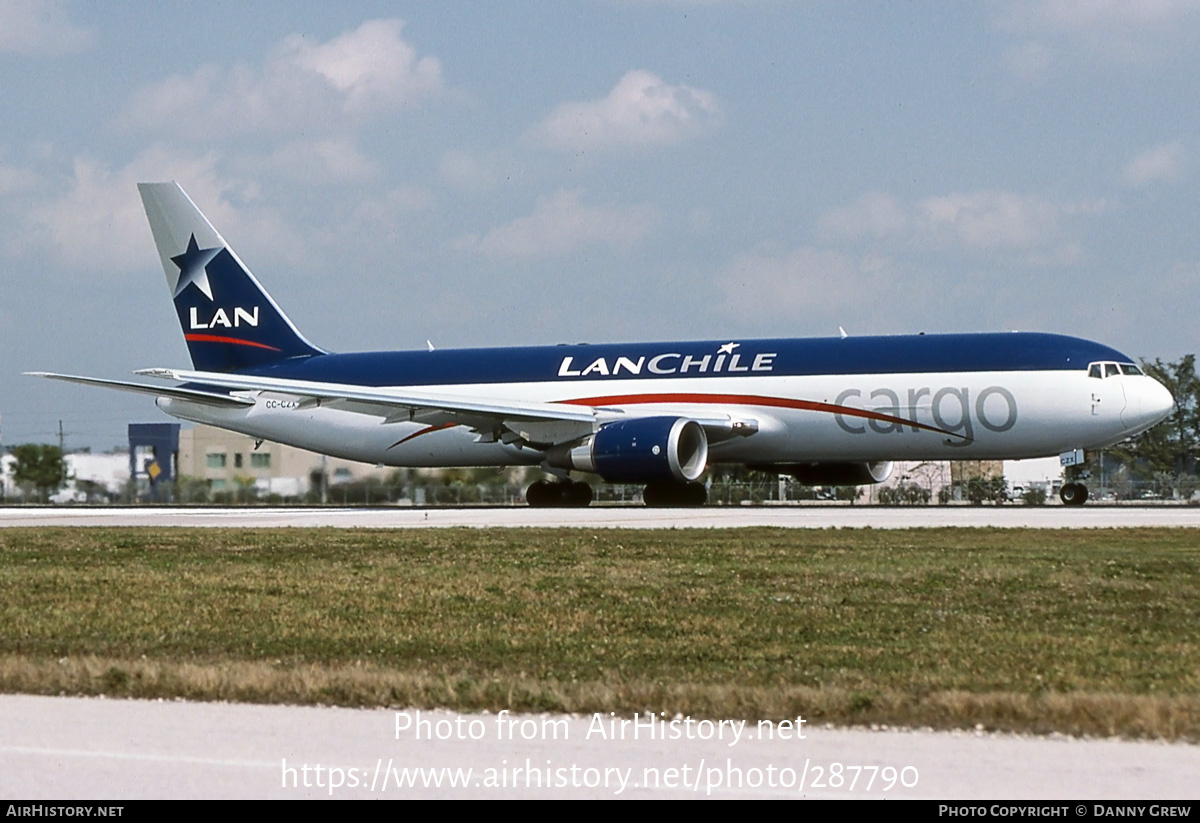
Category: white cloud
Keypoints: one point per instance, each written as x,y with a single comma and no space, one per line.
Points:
805,285
94,222
1158,164
990,220
467,170
561,224
321,161
641,111
389,212
1098,16
875,215
39,27
16,180
371,66
982,221
1109,30
300,87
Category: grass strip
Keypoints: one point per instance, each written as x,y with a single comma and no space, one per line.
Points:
1081,632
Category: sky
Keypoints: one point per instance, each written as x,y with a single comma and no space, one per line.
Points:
490,174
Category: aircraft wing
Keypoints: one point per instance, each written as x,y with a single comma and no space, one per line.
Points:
387,402
193,395
526,421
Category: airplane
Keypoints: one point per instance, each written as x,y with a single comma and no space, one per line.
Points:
826,411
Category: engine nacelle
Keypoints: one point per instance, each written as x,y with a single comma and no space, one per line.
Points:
644,450
833,474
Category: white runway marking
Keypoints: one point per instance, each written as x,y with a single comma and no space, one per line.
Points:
34,751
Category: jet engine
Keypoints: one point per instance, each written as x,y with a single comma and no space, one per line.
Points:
644,450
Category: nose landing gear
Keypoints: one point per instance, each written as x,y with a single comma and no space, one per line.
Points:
1073,494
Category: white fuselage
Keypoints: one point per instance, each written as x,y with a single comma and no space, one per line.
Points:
920,416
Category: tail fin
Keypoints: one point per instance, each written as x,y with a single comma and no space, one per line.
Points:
229,321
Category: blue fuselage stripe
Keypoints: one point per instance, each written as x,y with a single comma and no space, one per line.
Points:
716,358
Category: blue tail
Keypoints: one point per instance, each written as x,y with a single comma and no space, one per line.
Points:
229,321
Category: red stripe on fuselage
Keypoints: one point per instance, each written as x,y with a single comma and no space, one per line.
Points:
751,400
426,430
212,338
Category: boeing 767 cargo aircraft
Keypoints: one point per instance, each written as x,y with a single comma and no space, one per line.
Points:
827,411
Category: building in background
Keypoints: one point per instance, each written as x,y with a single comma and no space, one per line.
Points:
1044,473
228,462
94,478
153,459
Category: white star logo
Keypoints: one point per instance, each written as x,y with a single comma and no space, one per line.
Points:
192,267
728,348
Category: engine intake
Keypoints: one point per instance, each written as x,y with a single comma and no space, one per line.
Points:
644,450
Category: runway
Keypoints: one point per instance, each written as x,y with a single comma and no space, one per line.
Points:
59,748
622,517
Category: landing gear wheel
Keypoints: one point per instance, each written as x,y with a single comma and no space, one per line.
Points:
662,495
1073,494
578,495
540,494
544,494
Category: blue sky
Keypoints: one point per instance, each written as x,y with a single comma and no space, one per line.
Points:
519,173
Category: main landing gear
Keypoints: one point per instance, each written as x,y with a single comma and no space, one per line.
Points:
545,494
1073,494
565,493
664,495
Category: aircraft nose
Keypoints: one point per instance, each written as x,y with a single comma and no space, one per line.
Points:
1158,403
1150,403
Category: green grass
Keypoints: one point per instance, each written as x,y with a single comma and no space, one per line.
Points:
1076,631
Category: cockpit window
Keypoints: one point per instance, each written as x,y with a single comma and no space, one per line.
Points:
1102,370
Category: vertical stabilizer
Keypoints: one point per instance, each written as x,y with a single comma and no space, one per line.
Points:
229,321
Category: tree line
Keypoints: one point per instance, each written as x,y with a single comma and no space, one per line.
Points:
1166,455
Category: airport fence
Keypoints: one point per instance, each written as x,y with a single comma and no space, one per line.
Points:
765,492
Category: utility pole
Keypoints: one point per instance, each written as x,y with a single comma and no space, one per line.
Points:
62,452
324,481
